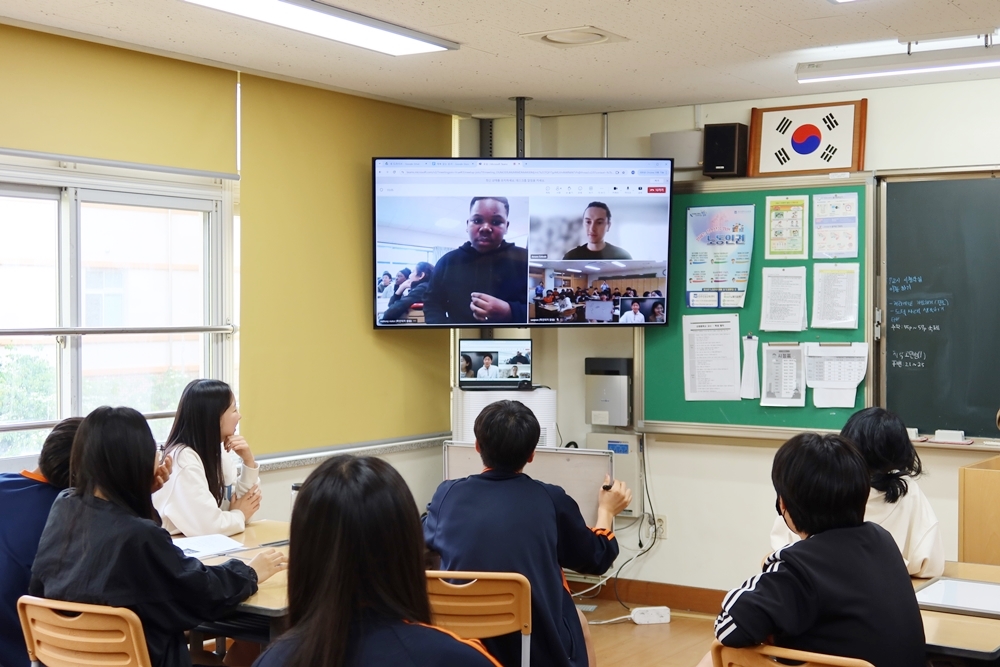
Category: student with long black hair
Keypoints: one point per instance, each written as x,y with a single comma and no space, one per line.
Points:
895,500
204,495
103,543
357,592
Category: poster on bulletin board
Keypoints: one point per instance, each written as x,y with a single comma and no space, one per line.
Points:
719,246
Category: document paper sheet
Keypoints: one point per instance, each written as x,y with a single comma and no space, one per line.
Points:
834,373
784,376
835,295
835,225
711,357
783,305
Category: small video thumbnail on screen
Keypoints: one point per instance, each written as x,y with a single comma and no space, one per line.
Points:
477,261
494,361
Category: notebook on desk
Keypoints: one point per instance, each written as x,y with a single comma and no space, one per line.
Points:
959,596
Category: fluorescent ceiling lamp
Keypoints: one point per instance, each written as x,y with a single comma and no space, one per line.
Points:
574,270
536,264
592,268
618,264
924,62
318,19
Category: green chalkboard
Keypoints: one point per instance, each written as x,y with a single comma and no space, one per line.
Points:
663,370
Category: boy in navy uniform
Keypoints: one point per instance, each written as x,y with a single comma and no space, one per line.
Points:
844,589
503,521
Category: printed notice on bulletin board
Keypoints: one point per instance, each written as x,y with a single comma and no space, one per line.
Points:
719,244
787,221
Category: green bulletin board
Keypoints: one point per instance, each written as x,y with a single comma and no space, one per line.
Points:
663,369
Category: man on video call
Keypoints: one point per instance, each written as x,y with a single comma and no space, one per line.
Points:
596,223
488,371
486,279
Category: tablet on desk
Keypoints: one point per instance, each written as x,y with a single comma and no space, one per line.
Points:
959,596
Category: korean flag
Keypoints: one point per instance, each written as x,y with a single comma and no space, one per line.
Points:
820,138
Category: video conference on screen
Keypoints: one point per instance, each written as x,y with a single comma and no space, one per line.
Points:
494,363
521,242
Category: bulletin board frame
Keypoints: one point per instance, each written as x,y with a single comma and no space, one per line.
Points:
659,383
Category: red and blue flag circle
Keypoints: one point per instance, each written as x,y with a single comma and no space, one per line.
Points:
806,139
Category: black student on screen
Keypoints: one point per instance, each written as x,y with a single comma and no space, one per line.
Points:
485,279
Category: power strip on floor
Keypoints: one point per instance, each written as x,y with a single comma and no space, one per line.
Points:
650,615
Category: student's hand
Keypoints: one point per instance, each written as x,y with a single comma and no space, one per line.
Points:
485,308
268,563
236,443
248,503
162,474
611,502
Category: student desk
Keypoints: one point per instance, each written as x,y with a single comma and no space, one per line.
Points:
956,634
262,616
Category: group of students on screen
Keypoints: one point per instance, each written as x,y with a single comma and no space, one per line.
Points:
405,291
838,582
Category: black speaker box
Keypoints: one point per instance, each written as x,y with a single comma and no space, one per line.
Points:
725,150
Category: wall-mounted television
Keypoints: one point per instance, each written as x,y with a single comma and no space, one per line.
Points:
498,242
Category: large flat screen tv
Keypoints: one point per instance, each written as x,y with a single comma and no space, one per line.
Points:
521,242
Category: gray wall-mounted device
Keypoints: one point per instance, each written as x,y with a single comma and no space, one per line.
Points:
609,391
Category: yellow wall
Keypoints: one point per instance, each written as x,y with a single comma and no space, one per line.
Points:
72,97
312,370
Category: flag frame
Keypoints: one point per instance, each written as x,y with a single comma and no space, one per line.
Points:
857,143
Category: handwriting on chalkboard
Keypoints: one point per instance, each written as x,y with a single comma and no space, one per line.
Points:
925,307
904,284
908,358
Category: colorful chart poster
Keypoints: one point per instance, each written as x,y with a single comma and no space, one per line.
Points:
835,225
787,222
719,245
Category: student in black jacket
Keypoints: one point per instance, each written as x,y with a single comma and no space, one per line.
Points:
504,521
417,284
484,280
843,590
103,543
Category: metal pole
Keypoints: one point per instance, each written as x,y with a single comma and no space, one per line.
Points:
519,101
604,118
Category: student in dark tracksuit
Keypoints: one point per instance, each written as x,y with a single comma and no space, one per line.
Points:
357,592
843,589
504,521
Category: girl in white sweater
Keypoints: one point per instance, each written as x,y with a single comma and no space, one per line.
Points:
895,501
204,494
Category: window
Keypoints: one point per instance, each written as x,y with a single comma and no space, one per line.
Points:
113,291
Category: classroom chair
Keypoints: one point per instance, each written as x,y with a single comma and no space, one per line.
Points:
70,634
765,656
489,605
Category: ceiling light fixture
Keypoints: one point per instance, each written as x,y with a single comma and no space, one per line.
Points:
592,268
318,19
574,270
565,38
618,264
925,62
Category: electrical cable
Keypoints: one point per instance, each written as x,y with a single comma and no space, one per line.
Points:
612,620
652,514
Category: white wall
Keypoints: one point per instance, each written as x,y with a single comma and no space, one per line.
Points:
716,495
936,125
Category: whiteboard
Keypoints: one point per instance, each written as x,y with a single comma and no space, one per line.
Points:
958,596
580,472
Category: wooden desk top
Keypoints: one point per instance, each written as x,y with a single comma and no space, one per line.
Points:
956,634
271,598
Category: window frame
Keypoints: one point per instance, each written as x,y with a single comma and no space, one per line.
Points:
75,185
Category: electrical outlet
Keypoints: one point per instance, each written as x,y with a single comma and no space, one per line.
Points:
656,524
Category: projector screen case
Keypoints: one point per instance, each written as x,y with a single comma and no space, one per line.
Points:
501,242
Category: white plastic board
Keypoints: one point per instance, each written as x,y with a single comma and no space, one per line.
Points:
580,472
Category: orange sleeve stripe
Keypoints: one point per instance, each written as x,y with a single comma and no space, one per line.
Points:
565,583
604,532
473,643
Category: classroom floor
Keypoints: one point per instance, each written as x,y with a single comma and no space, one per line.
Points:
680,643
